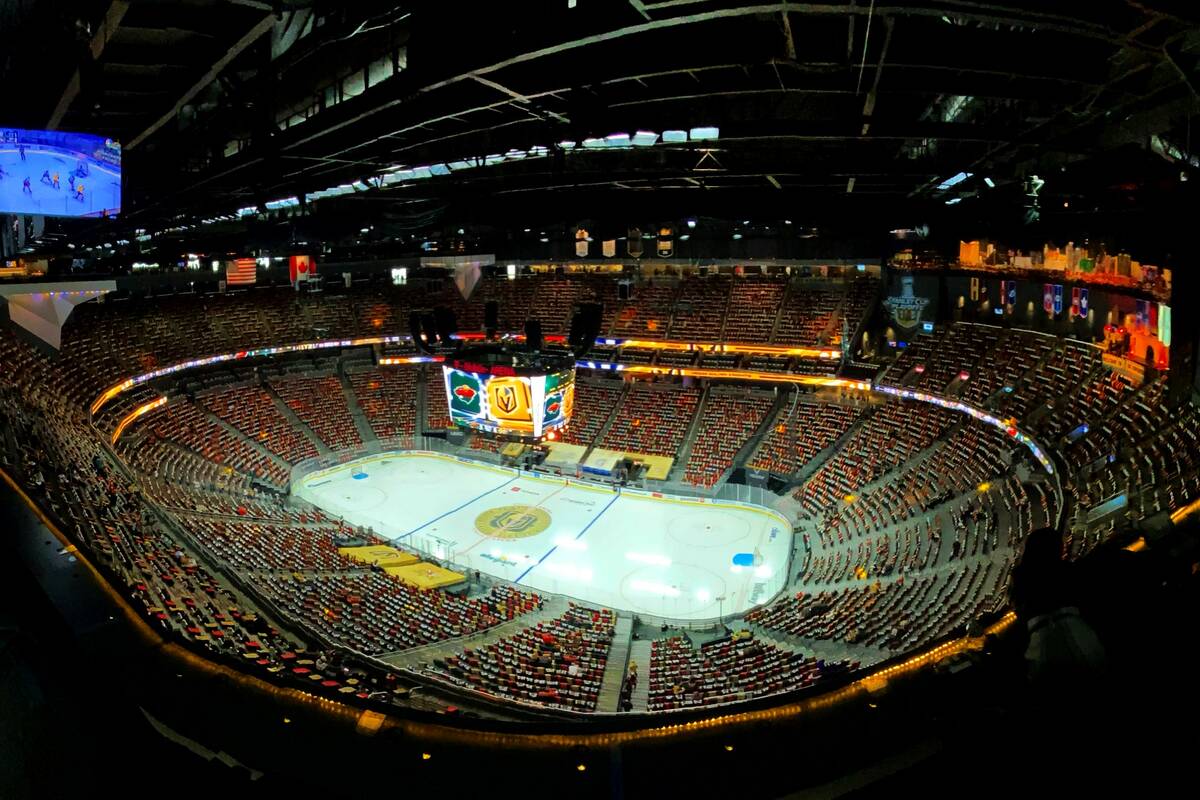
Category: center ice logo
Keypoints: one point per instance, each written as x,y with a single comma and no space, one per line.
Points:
512,522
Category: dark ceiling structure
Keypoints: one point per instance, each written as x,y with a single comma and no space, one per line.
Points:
335,119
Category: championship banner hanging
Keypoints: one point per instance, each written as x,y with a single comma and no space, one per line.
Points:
1010,293
609,248
581,243
974,288
1048,298
1075,312
1058,298
666,241
1083,302
633,244
907,307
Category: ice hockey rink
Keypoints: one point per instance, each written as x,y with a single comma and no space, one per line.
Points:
668,557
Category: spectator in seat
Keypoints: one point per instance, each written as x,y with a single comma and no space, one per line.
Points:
1064,654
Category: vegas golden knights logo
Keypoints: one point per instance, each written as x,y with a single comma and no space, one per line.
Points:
512,522
506,399
509,402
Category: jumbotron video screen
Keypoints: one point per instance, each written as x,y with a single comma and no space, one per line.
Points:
522,406
59,174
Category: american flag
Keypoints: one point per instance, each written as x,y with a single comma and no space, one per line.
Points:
240,272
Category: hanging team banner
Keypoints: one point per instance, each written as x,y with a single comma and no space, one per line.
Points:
1058,298
666,241
1048,298
907,307
609,248
1083,302
633,243
581,243
1010,292
1074,301
974,289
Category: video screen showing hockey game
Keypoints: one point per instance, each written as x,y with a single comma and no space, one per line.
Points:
505,404
59,174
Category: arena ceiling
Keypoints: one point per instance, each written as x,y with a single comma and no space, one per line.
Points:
830,108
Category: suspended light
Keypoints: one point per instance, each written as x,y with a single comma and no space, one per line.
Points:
954,180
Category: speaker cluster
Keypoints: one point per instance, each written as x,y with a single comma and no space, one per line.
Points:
434,330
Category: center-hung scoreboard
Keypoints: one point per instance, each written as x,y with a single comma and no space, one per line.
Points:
508,393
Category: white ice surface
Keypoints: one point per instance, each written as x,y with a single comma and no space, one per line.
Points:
666,557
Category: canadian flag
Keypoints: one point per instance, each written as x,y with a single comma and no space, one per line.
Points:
301,268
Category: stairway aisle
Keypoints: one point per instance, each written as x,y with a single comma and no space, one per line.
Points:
679,467
608,423
639,653
417,657
236,432
614,668
295,420
361,424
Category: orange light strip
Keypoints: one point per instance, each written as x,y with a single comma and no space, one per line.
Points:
1180,514
110,393
760,349
744,374
727,347
238,355
391,361
133,415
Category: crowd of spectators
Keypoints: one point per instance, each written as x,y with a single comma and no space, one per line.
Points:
727,670
911,528
558,662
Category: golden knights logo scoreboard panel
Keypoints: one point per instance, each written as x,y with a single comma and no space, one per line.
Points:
520,405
